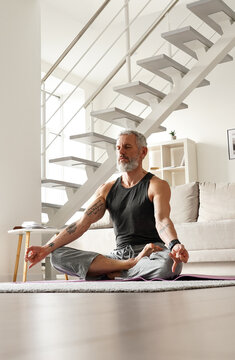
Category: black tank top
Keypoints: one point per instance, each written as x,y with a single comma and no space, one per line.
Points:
132,213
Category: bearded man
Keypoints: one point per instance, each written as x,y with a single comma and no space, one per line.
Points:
147,245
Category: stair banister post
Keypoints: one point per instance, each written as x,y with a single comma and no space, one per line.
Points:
169,44
127,24
92,149
44,130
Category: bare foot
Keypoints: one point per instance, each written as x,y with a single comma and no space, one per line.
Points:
148,250
113,275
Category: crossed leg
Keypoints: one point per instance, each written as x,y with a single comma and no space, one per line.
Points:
76,262
112,267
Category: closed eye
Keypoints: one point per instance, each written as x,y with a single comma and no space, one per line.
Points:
125,147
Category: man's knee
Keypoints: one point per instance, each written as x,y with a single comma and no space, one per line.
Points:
56,257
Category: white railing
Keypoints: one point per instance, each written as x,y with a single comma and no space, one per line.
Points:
152,78
124,60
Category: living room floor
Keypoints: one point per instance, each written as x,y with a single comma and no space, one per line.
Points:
189,324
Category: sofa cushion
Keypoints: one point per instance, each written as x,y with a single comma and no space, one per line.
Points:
101,241
225,255
184,203
213,235
217,201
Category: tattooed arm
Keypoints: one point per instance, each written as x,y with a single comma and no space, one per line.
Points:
92,214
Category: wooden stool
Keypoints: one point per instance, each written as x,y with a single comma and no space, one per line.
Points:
27,233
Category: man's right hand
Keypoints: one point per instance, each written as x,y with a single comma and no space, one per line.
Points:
178,254
35,254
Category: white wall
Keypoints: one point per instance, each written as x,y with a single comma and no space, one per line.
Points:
19,125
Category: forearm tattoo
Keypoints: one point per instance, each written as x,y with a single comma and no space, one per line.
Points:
163,228
51,244
71,228
94,209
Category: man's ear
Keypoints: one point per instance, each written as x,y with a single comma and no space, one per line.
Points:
144,151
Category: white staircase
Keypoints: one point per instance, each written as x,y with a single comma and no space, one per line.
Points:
167,68
97,140
191,41
143,93
75,162
214,13
208,54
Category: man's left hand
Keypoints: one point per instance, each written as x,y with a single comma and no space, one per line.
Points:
178,254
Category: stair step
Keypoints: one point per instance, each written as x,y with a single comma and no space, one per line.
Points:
58,184
94,139
116,116
73,161
52,206
140,92
212,12
182,37
163,66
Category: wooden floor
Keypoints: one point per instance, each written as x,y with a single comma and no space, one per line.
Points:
179,325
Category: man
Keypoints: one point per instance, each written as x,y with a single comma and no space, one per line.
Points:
138,203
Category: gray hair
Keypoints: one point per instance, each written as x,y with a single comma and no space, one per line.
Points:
140,138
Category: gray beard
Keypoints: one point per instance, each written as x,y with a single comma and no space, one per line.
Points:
125,167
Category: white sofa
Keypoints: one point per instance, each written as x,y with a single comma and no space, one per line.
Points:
204,218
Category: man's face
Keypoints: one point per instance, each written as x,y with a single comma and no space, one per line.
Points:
128,153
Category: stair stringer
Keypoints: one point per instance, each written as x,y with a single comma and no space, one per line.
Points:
159,113
189,82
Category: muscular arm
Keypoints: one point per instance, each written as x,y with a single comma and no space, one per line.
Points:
161,199
74,231
161,202
93,213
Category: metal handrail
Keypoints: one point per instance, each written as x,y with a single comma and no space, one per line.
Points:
119,66
75,40
93,67
141,69
84,54
132,50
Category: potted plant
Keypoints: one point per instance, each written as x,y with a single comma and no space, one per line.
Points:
173,134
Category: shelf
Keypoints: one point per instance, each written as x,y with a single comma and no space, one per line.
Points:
174,161
169,168
173,168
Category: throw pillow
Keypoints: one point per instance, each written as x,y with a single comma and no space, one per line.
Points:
184,203
217,201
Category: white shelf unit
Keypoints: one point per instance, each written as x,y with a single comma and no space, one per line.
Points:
174,161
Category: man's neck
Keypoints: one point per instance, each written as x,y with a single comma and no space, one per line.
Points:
131,178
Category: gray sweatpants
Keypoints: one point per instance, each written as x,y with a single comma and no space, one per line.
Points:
77,262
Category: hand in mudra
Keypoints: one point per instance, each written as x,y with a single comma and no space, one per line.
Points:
178,254
35,254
